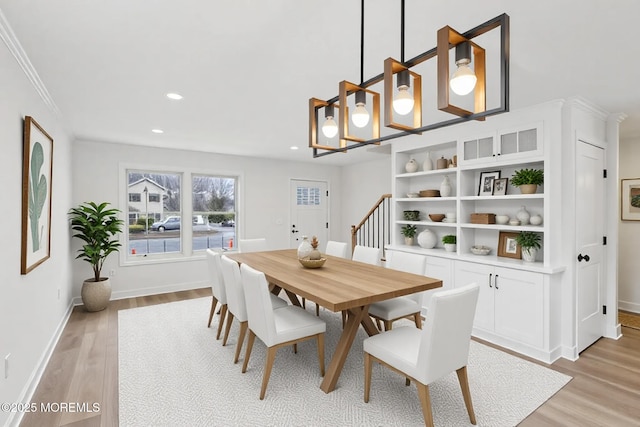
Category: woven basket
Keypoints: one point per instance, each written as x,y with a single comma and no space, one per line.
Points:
312,263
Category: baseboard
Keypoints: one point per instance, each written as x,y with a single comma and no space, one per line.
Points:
32,384
629,306
134,293
541,355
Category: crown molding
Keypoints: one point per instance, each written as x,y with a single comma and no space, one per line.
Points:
8,36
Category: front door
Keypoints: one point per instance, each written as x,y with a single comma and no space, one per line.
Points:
589,244
309,211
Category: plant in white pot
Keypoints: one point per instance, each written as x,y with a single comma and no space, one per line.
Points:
529,243
409,232
449,242
528,180
96,225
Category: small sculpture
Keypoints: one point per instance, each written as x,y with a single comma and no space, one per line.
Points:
315,253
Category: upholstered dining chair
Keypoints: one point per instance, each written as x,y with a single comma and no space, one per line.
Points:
217,289
410,305
424,356
276,328
252,245
337,249
236,305
367,254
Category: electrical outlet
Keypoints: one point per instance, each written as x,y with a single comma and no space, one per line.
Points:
6,366
112,272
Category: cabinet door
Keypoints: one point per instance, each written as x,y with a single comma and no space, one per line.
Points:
477,149
469,272
438,268
519,305
521,142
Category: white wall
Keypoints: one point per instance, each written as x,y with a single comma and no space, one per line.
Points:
30,308
264,205
629,234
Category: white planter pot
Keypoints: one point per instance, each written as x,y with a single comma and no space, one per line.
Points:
529,254
408,241
96,295
450,247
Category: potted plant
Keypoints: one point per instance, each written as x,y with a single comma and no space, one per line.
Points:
528,180
96,225
529,243
409,232
449,242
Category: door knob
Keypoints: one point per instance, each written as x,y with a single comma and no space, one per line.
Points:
586,258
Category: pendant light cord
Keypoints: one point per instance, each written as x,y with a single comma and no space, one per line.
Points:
402,32
362,41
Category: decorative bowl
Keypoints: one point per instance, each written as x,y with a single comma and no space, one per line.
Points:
429,193
502,219
436,217
413,195
312,263
480,250
411,215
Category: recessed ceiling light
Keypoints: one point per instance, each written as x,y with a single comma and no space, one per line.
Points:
157,131
293,147
176,96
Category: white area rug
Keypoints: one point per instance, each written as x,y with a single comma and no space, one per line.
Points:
173,372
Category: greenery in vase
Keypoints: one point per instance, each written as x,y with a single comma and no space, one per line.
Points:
96,225
528,239
408,230
527,176
449,239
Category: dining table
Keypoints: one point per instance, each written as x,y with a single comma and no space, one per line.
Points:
339,285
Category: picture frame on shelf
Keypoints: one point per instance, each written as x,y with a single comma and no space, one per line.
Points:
37,171
508,247
485,186
630,199
500,186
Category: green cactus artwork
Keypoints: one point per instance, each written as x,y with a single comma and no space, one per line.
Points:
37,194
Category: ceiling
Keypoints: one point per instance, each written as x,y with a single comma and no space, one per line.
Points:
247,68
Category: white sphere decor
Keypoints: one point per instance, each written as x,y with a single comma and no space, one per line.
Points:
427,239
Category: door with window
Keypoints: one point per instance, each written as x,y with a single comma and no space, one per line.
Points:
309,211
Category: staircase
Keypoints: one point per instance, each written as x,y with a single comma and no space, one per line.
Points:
375,228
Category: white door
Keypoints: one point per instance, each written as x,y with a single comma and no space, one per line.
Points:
589,244
309,211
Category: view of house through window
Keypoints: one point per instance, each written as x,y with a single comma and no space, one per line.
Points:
155,211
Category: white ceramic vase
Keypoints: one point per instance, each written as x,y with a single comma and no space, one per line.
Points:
523,216
529,254
535,220
427,165
411,166
445,187
427,239
305,248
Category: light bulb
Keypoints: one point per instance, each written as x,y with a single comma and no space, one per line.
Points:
463,81
360,116
330,128
403,102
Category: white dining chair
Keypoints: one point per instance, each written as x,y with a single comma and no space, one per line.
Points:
237,307
276,328
367,254
252,245
424,356
217,288
337,249
394,309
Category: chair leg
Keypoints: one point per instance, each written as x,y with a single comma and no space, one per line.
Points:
228,328
388,325
268,364
379,324
243,331
295,348
425,401
252,338
407,382
214,302
304,303
466,393
223,315
367,376
320,344
317,310
418,319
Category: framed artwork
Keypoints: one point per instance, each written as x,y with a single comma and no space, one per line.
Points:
485,187
500,186
630,199
37,170
508,246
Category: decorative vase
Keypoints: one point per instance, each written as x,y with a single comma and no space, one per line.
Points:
528,188
529,254
411,166
305,248
428,163
427,239
442,163
523,216
408,241
445,187
450,247
96,295
535,220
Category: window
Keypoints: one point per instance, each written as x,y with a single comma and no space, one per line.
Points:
214,211
134,197
154,198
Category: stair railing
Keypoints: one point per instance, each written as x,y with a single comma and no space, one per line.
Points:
375,228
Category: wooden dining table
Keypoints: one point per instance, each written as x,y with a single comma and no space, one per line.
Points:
340,284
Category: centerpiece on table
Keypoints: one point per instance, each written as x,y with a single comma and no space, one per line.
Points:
308,253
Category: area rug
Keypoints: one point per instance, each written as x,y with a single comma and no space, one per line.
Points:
630,320
173,372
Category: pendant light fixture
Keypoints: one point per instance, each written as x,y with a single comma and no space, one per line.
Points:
360,116
403,102
463,80
330,127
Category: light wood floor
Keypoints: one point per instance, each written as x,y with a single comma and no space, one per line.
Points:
605,390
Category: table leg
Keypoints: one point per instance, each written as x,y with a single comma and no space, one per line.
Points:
357,315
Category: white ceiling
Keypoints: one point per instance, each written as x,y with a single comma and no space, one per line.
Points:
246,68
